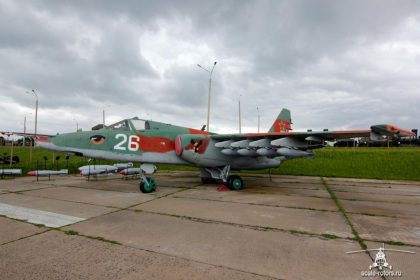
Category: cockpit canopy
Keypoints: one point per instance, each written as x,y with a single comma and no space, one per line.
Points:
130,124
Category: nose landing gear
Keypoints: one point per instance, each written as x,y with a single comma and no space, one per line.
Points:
147,184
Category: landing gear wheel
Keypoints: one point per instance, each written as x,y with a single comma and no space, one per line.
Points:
148,187
235,183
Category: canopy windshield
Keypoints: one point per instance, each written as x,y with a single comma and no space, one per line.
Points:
122,125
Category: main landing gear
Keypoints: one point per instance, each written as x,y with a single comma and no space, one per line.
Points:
147,184
215,175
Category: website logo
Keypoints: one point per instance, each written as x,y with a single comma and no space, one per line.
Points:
381,265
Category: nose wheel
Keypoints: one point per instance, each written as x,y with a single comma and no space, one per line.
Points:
148,185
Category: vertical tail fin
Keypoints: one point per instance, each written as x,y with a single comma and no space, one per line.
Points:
283,122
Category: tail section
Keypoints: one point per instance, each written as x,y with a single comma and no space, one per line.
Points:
283,123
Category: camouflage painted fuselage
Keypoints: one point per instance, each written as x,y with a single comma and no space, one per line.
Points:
156,143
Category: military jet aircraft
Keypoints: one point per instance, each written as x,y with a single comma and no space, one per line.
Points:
150,142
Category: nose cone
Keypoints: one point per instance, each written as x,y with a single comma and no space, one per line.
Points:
39,140
43,141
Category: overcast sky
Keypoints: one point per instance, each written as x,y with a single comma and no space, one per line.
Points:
334,64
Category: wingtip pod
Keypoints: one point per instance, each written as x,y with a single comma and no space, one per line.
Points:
379,131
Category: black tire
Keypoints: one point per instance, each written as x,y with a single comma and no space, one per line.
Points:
208,180
235,183
151,187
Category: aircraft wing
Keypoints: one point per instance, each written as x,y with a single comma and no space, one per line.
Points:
275,143
23,134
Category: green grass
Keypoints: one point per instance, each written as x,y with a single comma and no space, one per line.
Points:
329,236
38,160
399,163
71,232
103,239
344,213
391,242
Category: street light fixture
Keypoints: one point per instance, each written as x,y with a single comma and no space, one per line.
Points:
258,110
24,131
103,114
77,124
239,104
36,120
209,97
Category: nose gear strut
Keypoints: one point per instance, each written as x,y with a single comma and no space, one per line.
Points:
147,184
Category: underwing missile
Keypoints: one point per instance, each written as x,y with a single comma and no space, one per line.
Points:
47,172
98,166
130,171
97,169
10,171
293,152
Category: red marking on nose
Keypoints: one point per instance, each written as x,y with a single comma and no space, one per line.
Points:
178,146
155,144
42,139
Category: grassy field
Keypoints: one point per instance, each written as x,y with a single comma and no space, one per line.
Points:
402,163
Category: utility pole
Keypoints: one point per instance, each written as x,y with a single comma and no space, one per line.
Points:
209,96
258,110
36,123
24,131
239,104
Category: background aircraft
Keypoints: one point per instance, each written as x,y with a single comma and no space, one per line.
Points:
151,142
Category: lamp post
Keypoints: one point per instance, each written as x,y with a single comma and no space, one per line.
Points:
77,125
36,121
239,105
258,110
103,114
209,97
24,131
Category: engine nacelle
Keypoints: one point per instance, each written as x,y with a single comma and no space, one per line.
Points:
191,146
